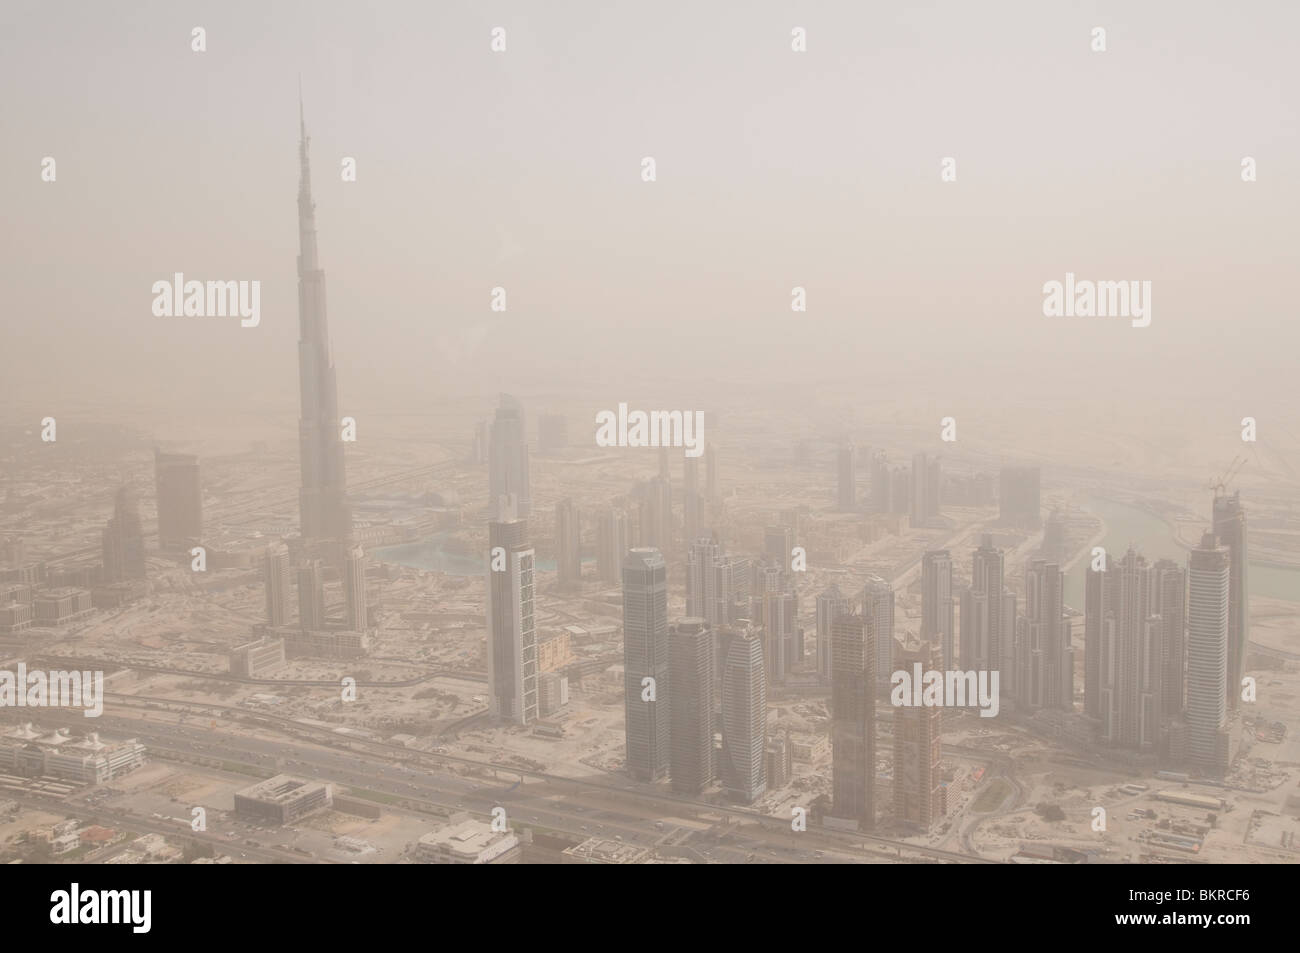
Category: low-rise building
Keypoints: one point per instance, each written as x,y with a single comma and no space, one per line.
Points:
117,594
15,617
468,842
15,592
282,799
61,606
810,749
598,850
257,659
326,643
552,693
26,751
554,653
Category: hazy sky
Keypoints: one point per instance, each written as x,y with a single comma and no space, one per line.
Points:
775,169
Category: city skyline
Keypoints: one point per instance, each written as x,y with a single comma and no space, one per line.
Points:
959,579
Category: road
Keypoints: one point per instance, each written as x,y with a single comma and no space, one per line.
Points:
580,807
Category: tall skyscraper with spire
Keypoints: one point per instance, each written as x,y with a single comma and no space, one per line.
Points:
323,497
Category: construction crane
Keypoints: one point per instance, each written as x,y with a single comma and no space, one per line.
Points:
1219,484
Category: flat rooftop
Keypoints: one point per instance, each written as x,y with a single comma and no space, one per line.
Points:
280,789
469,838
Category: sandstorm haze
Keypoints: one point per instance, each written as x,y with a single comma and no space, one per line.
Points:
877,277
523,170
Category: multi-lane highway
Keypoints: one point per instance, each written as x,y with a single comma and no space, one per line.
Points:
613,807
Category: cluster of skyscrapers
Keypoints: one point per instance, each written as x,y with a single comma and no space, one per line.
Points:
310,577
1031,650
1157,665
916,491
685,682
858,652
1166,646
674,674
31,595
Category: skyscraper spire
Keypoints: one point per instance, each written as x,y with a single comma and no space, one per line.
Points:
322,499
306,207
